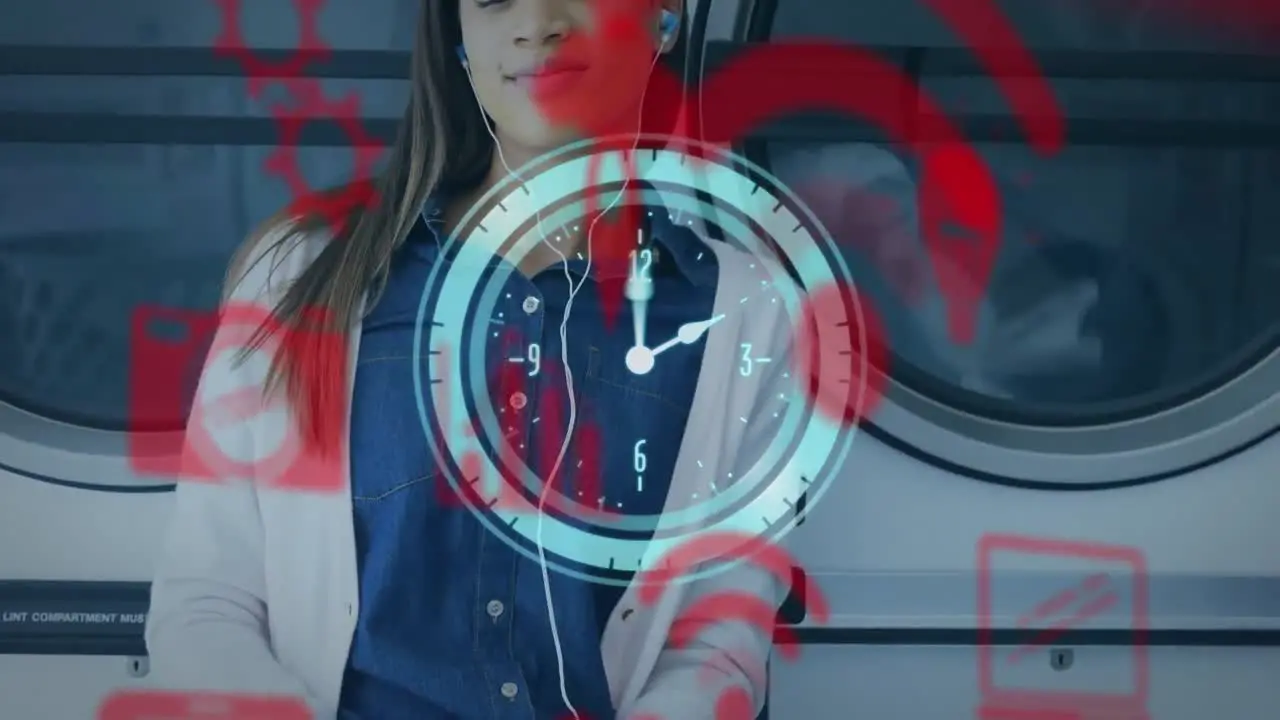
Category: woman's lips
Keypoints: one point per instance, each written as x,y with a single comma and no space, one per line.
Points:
550,82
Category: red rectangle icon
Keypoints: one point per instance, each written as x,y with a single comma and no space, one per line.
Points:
231,432
1096,586
153,705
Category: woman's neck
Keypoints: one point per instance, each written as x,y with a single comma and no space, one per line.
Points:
504,168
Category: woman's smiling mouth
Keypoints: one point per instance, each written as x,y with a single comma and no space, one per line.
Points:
549,78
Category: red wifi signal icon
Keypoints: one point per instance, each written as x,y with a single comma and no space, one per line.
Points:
960,206
708,612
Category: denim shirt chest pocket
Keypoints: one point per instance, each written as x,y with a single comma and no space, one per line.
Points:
657,393
639,416
390,453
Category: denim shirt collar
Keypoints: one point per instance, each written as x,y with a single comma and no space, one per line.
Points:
682,244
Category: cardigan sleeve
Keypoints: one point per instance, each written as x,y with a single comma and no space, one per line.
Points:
717,650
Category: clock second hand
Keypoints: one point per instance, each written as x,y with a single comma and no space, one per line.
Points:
688,333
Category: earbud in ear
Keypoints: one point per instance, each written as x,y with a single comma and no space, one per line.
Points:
462,55
668,23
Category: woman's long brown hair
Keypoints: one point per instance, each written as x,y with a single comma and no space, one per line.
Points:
442,145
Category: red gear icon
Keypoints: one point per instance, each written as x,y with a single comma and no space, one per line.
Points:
310,48
335,205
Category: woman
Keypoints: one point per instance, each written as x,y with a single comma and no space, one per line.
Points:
383,600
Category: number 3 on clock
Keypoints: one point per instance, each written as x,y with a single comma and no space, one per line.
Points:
749,363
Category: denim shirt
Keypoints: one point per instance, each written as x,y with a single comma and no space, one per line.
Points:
454,622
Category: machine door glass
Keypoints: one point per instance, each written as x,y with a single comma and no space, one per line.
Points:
1125,327
133,162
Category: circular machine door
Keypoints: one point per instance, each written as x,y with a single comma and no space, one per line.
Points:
115,236
1127,330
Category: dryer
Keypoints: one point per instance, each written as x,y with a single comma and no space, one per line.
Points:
1120,396
118,127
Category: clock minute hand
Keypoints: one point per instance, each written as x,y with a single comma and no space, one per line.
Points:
689,333
639,290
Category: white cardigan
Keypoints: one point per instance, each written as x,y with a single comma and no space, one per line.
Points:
256,590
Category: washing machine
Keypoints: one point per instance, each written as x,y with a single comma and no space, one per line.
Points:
131,165
1111,419
1109,423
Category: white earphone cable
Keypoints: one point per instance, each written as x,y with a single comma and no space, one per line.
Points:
574,288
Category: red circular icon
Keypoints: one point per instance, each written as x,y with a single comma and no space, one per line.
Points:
842,356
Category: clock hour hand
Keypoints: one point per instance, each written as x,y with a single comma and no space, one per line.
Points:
689,333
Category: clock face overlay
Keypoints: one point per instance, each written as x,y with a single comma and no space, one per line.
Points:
456,346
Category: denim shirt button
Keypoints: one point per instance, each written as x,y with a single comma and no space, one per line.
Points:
530,305
495,608
509,690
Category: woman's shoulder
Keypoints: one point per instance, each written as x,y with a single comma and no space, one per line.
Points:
745,274
740,268
271,259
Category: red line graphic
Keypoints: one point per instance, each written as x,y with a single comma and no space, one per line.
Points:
155,705
1092,607
1064,599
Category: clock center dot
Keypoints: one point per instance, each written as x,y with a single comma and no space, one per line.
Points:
639,360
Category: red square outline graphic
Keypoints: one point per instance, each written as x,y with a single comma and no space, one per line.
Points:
1047,705
161,705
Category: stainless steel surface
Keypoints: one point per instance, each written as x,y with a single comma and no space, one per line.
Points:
949,600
